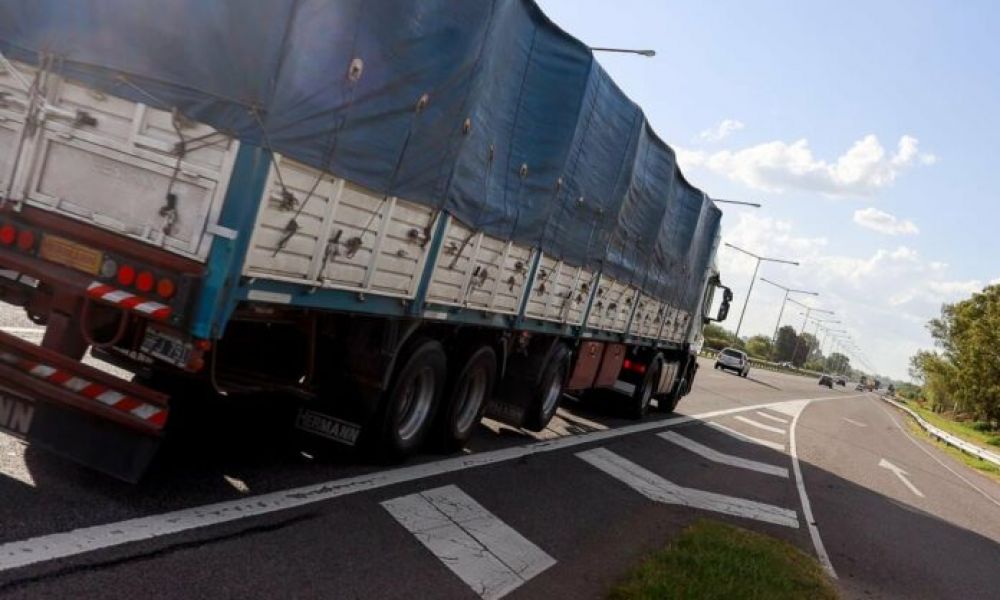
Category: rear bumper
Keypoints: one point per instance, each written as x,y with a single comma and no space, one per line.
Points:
77,411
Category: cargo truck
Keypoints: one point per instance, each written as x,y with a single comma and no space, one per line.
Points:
400,216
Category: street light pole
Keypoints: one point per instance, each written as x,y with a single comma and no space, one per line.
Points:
809,310
649,53
774,337
759,259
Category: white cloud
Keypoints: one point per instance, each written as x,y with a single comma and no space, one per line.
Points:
883,299
780,166
720,131
883,222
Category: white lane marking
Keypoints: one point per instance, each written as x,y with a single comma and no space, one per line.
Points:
760,425
483,551
23,330
656,488
79,541
937,460
725,459
902,474
824,558
746,438
772,417
793,408
853,422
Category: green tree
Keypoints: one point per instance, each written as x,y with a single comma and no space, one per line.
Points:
964,374
837,363
804,346
785,345
759,346
717,337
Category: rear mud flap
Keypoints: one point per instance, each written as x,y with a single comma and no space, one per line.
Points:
78,412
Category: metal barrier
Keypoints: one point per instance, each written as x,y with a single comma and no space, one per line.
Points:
944,436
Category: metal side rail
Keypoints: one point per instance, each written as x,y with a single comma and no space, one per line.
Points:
944,436
77,411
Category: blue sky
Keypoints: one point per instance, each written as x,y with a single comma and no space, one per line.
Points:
810,93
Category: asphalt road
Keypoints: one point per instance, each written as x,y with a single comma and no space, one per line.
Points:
245,513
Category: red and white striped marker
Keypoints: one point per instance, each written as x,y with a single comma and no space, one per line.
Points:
149,413
128,300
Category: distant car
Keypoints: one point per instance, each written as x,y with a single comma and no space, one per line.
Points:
842,381
731,359
826,380
785,364
859,388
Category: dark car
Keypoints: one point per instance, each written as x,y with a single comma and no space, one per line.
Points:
826,380
842,381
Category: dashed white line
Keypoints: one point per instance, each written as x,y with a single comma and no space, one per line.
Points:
772,417
657,488
721,458
760,425
483,551
88,539
745,437
853,422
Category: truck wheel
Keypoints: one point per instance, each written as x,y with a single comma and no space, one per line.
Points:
466,399
409,404
639,405
548,391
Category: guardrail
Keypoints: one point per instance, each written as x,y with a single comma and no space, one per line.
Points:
944,436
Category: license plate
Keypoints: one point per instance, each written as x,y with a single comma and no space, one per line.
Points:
16,414
166,347
69,253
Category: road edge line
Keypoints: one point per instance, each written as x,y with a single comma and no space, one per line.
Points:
807,513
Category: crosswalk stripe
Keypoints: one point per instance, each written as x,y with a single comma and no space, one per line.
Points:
725,459
483,551
771,417
760,425
745,437
658,489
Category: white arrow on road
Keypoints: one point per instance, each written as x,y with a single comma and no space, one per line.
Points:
903,476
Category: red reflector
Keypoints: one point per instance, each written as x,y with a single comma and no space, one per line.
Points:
26,240
166,288
7,234
144,282
126,275
628,365
203,345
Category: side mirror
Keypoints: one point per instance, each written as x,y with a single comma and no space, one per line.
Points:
727,298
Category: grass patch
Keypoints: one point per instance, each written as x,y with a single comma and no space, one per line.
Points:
971,431
985,467
711,559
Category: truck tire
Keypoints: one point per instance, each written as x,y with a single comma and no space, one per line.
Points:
643,394
547,392
465,400
410,403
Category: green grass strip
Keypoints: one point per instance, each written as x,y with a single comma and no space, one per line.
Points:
711,559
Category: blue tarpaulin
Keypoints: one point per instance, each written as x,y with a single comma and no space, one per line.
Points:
482,108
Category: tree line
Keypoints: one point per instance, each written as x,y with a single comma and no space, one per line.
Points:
800,350
962,374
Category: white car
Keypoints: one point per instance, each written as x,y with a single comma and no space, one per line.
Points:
731,359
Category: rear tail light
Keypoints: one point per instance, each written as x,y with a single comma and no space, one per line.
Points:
126,275
144,281
635,367
26,240
166,288
7,234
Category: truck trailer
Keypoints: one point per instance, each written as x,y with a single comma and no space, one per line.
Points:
399,215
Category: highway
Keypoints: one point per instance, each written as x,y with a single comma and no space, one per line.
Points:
244,512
